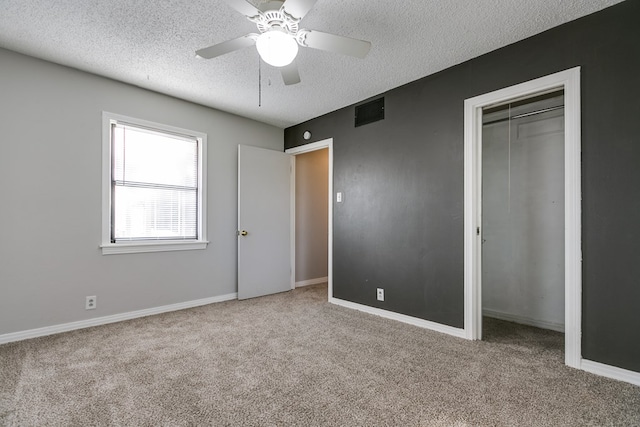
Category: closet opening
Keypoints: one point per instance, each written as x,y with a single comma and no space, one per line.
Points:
523,221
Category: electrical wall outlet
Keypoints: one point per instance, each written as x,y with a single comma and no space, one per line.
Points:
380,294
91,303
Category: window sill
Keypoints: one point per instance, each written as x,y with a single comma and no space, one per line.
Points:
140,247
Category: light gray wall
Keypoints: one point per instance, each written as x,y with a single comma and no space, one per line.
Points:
50,192
312,205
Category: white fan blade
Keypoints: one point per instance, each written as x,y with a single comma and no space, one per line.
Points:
298,8
339,44
243,7
290,74
226,47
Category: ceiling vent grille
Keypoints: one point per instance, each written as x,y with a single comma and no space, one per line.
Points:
370,112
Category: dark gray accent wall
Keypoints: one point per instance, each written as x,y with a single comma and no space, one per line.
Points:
400,226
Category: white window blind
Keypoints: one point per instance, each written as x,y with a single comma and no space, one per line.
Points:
154,184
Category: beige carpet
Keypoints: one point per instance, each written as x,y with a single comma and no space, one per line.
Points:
294,360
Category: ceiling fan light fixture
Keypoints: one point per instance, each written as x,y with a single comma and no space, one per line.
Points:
276,47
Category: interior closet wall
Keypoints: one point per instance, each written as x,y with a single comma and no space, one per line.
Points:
312,207
523,214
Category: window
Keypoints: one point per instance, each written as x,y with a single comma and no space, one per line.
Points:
153,196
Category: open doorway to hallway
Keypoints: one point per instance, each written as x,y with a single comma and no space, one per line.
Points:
311,217
324,174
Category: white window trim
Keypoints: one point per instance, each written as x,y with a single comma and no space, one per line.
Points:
109,248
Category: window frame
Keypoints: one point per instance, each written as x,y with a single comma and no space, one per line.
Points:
107,246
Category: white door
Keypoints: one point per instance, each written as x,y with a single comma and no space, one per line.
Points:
264,222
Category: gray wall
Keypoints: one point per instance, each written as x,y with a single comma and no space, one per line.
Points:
312,207
50,187
401,225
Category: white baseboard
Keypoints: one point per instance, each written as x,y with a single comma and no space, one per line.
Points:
612,372
523,320
65,327
312,281
415,321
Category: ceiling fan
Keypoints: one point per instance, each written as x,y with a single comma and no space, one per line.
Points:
279,37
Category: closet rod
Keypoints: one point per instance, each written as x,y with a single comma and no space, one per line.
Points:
532,113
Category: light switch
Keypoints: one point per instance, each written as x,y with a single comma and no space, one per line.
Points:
339,197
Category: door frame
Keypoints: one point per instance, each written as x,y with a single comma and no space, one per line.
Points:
569,81
319,145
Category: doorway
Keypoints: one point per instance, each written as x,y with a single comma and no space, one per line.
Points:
523,212
569,82
305,237
311,218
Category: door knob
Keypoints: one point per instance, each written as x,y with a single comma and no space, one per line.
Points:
243,232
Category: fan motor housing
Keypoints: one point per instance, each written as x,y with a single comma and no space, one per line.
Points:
272,14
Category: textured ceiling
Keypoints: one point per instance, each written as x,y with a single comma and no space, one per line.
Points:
151,44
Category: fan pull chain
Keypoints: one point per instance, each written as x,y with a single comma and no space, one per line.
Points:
259,82
509,165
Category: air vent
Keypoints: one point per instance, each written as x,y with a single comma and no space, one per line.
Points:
370,112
